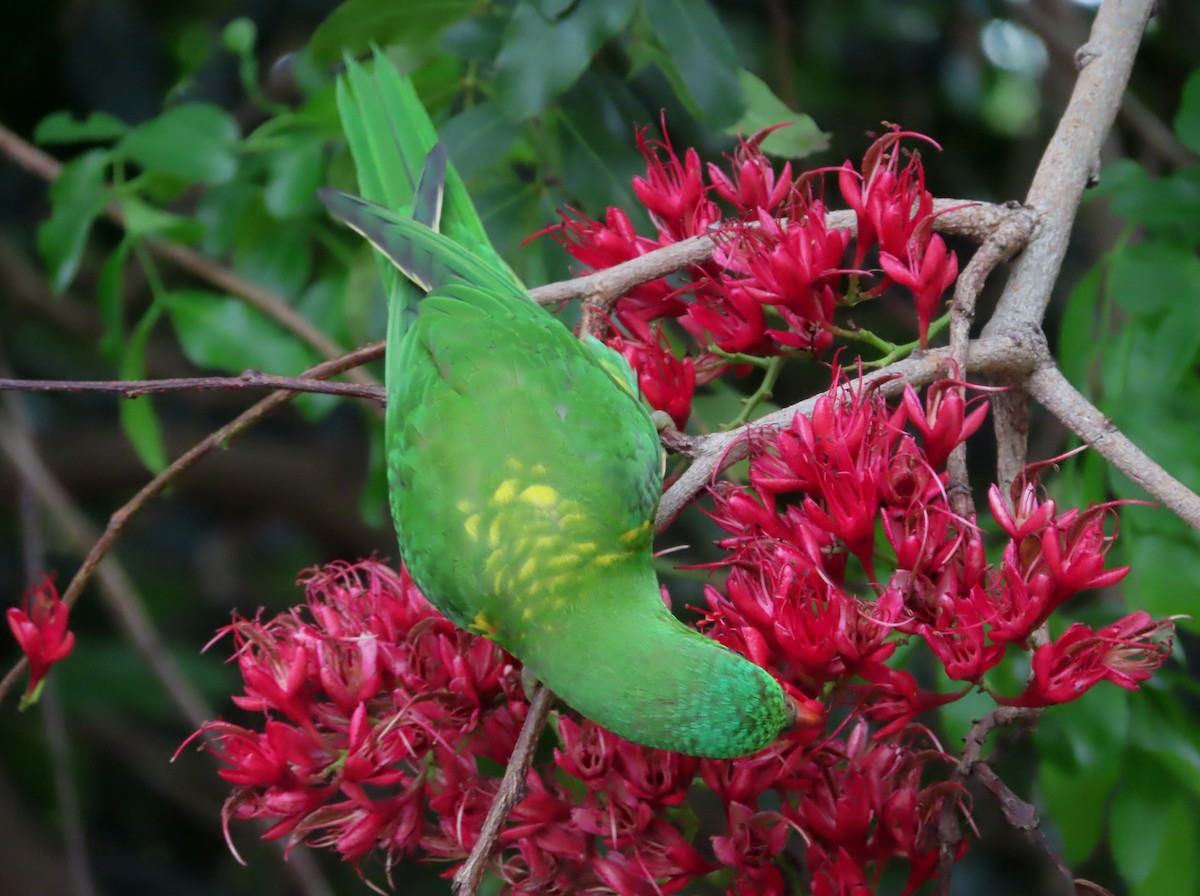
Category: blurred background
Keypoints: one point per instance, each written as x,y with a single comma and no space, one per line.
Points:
88,799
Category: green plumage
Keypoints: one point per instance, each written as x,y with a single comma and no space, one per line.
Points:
524,473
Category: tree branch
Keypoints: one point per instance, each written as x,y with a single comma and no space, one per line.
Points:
1071,160
958,217
512,789
251,379
1009,238
717,451
1016,811
1055,393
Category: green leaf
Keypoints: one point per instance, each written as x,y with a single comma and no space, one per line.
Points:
472,137
599,160
698,58
1176,345
296,173
221,211
109,295
541,58
77,197
138,419
555,9
143,219
1078,805
1138,817
61,127
1176,869
764,109
1086,736
1160,203
192,141
357,24
1155,419
276,256
1187,120
222,332
1149,279
1163,729
1077,333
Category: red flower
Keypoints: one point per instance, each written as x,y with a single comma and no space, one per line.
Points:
1125,653
666,381
926,272
753,186
753,842
1048,560
603,245
674,192
40,627
943,421
891,203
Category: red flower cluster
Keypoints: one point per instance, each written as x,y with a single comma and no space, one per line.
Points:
806,595
377,712
376,707
40,627
382,719
777,277
383,725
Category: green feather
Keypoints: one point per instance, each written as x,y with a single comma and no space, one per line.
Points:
524,471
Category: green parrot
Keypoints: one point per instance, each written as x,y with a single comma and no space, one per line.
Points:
524,472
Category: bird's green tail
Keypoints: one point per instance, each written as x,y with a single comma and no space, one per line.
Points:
391,137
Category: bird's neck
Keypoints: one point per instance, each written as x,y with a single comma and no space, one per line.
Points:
617,655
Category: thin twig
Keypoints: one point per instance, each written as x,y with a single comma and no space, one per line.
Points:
251,379
218,439
949,832
1024,817
512,790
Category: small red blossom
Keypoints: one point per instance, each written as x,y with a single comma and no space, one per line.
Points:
926,273
40,627
1125,653
752,185
891,203
666,381
1049,559
754,840
943,421
673,191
